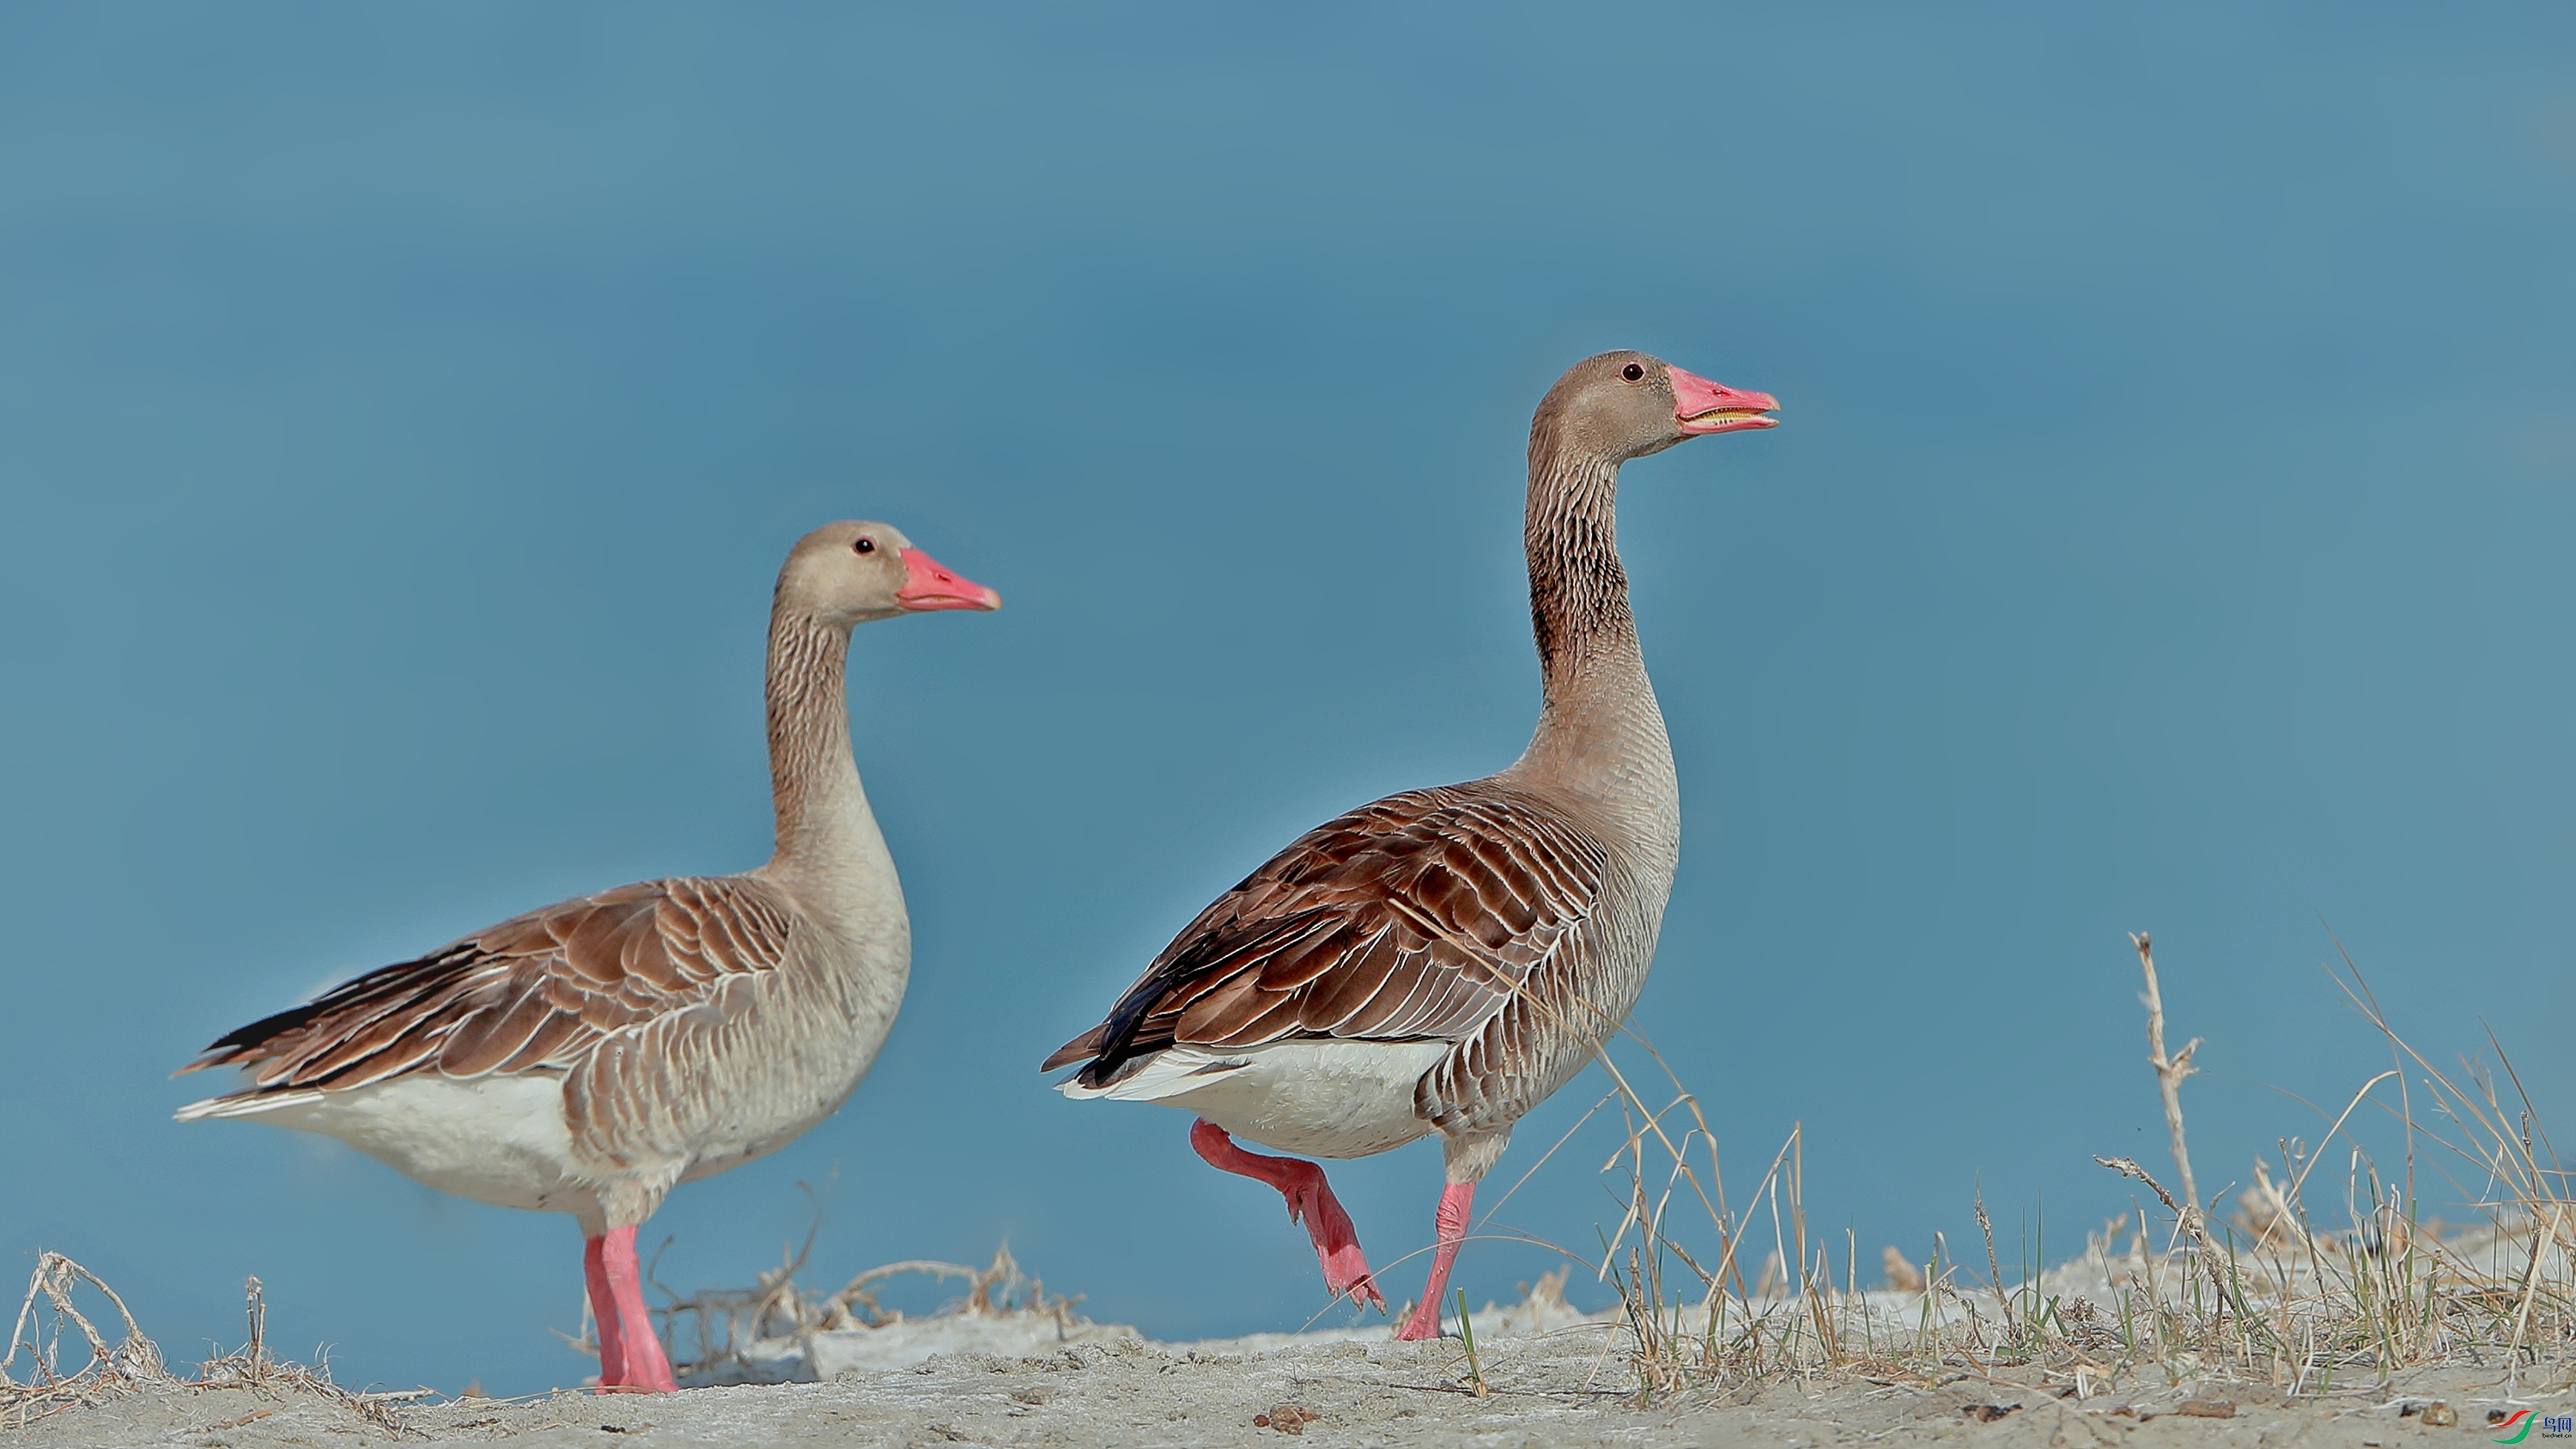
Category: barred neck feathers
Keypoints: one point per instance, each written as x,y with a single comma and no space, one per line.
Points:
1600,735
828,844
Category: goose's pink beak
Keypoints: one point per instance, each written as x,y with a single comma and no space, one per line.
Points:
929,585
1702,406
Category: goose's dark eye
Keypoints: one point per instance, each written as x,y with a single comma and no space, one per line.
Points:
865,545
1632,372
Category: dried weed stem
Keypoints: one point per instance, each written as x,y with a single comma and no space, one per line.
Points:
133,1363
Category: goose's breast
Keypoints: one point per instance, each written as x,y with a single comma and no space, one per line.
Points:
741,1079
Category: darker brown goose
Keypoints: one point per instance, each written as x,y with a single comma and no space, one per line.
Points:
1511,918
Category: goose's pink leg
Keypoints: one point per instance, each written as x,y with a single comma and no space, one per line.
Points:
1457,1205
1310,1201
642,1367
603,1313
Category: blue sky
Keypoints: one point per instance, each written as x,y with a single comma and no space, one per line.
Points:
403,411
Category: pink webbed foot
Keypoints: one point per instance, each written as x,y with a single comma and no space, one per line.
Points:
1337,1247
1310,1201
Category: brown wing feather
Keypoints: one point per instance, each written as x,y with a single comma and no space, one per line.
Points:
537,992
1417,916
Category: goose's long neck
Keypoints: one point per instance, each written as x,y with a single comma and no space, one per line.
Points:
829,850
1600,735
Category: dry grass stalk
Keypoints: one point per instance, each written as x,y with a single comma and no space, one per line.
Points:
2522,1188
133,1363
2169,1070
727,1323
2296,1303
2263,1211
2186,1222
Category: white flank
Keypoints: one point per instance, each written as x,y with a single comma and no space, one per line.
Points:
1312,1098
498,1139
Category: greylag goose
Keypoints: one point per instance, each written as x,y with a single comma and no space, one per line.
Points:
1443,960
587,1057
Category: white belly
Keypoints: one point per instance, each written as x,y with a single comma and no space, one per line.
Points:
1312,1098
500,1140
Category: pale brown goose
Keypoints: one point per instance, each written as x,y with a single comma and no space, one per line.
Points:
1443,960
586,1057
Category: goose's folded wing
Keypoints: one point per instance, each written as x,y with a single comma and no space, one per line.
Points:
537,992
1416,917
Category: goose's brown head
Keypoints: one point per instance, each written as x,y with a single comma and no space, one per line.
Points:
849,573
1622,405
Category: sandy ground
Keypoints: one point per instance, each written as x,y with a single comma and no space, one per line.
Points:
1566,1387
1003,1372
